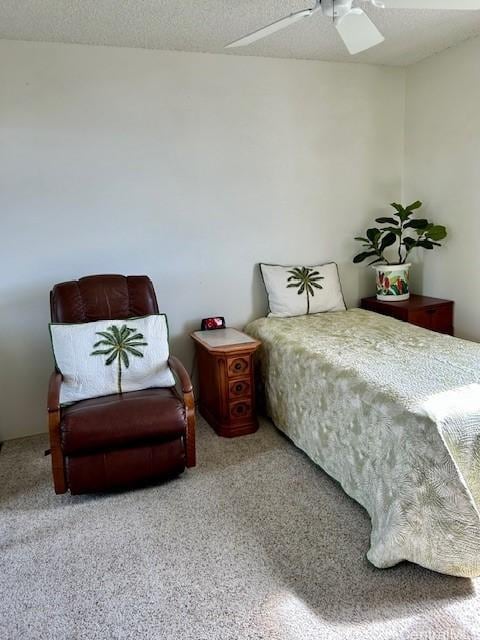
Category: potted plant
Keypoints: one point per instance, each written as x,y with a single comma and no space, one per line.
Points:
407,233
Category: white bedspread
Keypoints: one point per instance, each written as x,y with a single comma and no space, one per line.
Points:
392,412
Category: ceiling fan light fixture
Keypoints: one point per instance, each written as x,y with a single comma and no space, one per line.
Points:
357,31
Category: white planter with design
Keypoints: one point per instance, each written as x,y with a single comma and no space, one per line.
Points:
393,282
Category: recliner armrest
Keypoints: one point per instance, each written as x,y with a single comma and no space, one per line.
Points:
53,409
53,400
181,373
189,400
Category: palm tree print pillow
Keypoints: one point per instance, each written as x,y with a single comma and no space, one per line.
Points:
300,290
111,356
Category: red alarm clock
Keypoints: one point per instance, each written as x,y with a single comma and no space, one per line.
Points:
217,322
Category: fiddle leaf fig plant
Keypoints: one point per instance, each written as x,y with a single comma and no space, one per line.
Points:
401,229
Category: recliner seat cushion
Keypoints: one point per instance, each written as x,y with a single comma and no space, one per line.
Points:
122,420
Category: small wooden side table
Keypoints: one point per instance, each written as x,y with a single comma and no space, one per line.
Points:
226,380
430,313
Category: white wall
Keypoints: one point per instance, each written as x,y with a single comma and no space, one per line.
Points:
442,167
191,168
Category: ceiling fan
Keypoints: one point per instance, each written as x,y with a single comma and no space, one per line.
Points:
352,23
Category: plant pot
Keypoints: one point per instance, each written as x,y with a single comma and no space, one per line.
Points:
393,282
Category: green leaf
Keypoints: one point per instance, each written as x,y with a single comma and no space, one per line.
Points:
363,240
102,352
106,335
137,336
395,289
401,212
386,221
373,234
415,205
108,343
136,344
116,333
296,275
124,332
125,359
296,272
134,352
426,244
363,256
409,243
420,223
302,289
387,241
112,358
437,232
396,231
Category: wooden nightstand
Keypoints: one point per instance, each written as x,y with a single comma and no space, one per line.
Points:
226,380
430,313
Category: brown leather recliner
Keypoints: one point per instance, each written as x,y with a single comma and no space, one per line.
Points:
119,440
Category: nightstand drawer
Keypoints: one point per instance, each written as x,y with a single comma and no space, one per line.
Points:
438,318
238,366
421,318
240,388
240,410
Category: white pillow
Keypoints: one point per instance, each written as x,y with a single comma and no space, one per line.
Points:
91,364
300,290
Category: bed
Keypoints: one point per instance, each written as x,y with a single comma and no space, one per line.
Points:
392,412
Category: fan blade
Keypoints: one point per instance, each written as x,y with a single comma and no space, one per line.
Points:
468,5
357,31
271,28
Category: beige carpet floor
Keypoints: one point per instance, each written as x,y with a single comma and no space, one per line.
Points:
256,542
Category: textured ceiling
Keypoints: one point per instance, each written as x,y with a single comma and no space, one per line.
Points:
207,25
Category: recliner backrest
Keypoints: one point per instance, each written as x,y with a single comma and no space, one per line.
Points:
102,297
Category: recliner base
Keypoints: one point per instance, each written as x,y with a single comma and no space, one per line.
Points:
121,468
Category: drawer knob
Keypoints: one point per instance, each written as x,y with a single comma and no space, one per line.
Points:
240,409
239,388
238,366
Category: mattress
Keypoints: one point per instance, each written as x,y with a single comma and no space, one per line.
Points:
391,411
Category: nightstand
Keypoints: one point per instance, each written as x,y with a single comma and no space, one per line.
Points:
430,313
226,380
